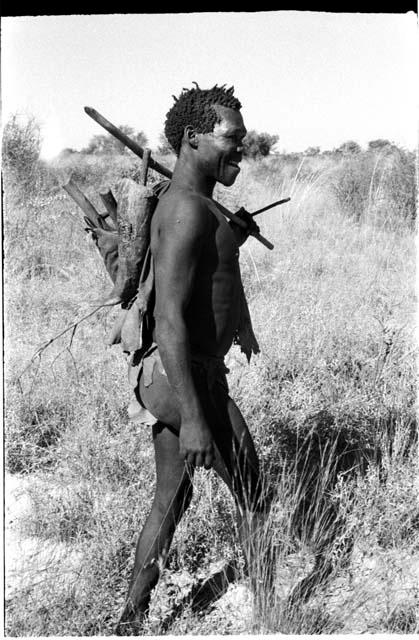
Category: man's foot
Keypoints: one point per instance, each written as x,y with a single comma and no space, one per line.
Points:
130,627
131,622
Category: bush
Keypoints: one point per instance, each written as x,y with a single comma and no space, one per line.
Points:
108,144
21,147
100,172
257,145
348,148
377,186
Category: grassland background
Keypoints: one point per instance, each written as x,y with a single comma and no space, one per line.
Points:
333,308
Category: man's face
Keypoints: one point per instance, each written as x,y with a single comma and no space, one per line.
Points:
221,150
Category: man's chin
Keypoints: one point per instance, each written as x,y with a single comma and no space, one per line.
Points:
229,180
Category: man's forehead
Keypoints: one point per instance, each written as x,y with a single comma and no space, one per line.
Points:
230,118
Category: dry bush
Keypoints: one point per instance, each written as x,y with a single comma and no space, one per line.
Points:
24,172
100,172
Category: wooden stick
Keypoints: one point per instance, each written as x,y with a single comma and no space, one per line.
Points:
270,206
263,240
84,204
109,201
97,117
145,165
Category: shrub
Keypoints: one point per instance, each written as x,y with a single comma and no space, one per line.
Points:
21,147
256,145
378,145
376,186
312,151
348,148
108,144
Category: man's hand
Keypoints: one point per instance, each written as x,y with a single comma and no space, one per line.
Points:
196,444
240,233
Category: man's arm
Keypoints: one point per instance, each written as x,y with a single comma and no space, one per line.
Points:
183,226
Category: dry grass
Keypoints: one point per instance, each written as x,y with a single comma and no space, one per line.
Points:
330,401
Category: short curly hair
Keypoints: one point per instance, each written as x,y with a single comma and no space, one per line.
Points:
193,107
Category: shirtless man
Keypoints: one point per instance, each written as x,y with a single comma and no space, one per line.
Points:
198,301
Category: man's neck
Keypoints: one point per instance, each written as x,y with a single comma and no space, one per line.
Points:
188,176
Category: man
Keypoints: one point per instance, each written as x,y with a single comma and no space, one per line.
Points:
199,311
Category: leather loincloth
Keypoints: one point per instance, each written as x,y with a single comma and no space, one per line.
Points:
212,368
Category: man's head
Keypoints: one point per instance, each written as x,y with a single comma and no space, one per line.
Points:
209,122
194,107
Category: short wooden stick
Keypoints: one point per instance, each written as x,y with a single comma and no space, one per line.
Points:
270,206
109,201
145,165
85,205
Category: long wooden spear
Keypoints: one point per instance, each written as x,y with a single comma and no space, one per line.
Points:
139,151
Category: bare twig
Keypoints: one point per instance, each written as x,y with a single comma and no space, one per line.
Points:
73,328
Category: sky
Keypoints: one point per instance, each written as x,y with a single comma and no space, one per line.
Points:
312,78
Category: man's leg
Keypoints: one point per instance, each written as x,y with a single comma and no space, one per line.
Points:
238,465
172,497
251,494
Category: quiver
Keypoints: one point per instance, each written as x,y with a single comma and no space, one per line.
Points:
126,253
135,206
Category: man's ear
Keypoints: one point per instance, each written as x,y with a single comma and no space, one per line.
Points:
190,135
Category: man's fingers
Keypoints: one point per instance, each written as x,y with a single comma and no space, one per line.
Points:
198,459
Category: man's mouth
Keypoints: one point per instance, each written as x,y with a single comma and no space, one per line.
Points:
234,164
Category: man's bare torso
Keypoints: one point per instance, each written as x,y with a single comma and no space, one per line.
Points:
212,312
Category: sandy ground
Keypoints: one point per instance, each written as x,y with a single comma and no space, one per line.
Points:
25,556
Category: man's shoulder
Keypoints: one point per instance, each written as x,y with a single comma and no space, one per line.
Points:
182,206
177,198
